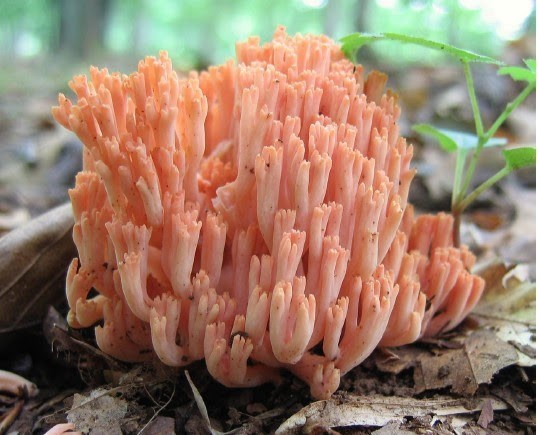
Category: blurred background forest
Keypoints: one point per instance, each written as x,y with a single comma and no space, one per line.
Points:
201,32
45,42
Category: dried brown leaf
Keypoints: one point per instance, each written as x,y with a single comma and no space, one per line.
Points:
508,308
33,262
488,354
161,425
392,429
98,412
448,369
92,363
473,360
378,411
489,220
487,415
507,295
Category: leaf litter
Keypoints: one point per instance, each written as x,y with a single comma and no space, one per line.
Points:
351,410
33,261
97,412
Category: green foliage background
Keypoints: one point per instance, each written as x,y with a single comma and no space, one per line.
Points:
201,32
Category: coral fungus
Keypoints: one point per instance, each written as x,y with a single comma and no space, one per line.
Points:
254,215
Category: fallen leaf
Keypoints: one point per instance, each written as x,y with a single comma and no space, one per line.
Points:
449,369
400,359
518,243
487,415
33,262
443,342
161,425
98,412
75,351
13,219
513,242
519,401
378,411
524,348
488,354
473,359
508,309
507,296
393,428
487,220
438,182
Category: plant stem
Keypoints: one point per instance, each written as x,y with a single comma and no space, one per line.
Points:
459,168
472,165
478,129
456,228
485,137
508,109
458,206
473,99
461,206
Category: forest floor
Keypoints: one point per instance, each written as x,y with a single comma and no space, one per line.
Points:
477,379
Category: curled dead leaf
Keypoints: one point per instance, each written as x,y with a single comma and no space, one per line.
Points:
379,411
70,348
33,263
508,295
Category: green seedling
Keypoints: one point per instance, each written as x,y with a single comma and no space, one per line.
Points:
467,147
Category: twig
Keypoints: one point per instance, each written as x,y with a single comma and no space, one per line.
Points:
9,417
159,410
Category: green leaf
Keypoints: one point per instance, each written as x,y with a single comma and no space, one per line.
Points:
517,158
446,143
520,73
451,140
469,141
530,63
352,43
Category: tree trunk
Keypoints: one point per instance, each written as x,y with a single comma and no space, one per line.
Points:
82,26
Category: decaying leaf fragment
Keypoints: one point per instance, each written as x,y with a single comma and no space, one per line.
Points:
464,369
508,296
378,411
17,385
508,309
97,413
69,347
480,355
33,262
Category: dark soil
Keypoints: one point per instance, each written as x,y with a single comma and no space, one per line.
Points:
62,373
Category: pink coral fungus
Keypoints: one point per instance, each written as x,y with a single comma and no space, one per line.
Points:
254,215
